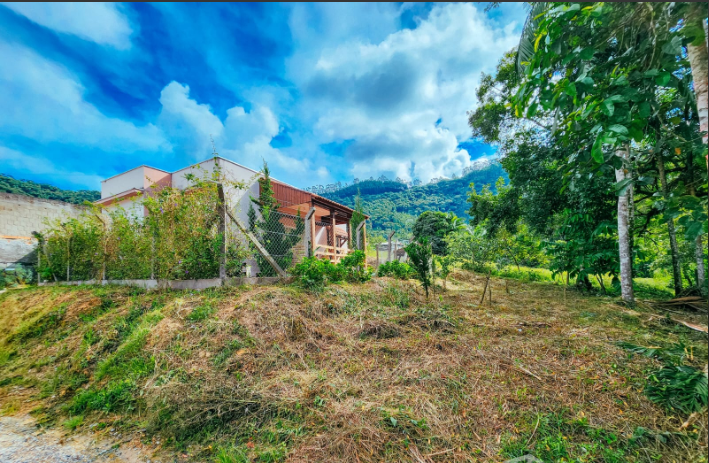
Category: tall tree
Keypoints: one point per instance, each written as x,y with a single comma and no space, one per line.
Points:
607,70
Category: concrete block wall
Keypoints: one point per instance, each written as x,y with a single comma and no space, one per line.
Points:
21,215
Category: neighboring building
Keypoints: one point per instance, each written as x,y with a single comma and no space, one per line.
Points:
22,215
329,223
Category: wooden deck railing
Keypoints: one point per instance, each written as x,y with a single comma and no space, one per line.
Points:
333,253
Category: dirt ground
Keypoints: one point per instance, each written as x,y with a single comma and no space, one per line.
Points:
21,441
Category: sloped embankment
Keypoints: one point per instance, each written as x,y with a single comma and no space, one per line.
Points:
357,373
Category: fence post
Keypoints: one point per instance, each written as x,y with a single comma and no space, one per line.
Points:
221,210
312,234
258,245
389,251
364,237
358,233
308,235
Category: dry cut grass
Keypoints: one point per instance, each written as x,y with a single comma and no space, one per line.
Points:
357,373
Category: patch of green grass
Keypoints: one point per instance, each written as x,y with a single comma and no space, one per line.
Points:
129,360
652,288
9,407
63,380
6,355
115,396
39,326
231,455
559,437
202,312
72,423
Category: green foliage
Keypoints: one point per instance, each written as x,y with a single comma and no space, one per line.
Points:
355,267
115,396
178,239
35,328
42,190
270,229
72,423
314,273
397,210
443,266
14,275
394,268
681,388
434,227
201,312
675,386
421,257
558,437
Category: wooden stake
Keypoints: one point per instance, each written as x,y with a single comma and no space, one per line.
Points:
487,280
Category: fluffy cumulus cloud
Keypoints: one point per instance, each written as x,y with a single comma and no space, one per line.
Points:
243,136
403,100
44,101
322,92
99,22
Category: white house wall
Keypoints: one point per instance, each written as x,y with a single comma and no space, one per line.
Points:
126,181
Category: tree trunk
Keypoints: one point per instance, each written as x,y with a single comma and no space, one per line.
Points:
697,54
624,248
676,264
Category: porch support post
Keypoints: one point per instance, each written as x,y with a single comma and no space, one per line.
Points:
333,223
309,235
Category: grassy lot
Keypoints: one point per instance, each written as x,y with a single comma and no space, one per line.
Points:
357,373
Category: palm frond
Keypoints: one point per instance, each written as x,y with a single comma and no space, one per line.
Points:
525,49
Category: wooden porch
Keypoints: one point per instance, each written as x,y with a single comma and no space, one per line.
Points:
328,232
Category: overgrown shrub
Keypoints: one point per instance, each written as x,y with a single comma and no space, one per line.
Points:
179,238
421,257
396,269
314,273
355,267
15,275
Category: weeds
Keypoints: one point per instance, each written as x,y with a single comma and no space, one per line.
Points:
72,423
115,396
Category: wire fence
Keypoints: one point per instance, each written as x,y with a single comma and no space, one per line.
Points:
279,234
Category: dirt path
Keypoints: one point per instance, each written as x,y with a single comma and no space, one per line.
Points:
22,442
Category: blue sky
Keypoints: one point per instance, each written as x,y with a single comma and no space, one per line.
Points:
322,92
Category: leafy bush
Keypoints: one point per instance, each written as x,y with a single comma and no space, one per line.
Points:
682,388
178,238
15,275
314,273
355,267
421,257
396,269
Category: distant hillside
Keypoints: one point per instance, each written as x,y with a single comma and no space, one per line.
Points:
8,184
393,206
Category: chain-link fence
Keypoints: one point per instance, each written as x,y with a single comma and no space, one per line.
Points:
281,241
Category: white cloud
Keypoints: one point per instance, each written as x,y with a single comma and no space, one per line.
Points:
99,22
188,123
244,137
42,166
403,99
43,101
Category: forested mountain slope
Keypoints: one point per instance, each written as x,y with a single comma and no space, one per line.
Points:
392,206
9,184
